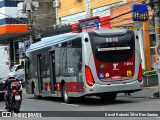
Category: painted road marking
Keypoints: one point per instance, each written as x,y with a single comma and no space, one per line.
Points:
2,110
69,104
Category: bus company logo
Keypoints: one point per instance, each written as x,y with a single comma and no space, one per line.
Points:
112,39
101,75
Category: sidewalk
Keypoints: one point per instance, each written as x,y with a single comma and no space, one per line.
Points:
147,92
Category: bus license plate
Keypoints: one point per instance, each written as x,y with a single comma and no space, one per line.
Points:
17,97
116,78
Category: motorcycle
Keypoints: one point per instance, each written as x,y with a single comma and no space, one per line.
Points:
15,98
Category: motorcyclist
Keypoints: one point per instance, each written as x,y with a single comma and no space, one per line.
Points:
7,87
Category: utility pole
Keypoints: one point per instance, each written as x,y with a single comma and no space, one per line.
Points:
56,5
30,25
28,9
87,8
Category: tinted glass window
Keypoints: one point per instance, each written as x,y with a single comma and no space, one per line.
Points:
64,44
19,67
69,44
13,68
113,48
77,43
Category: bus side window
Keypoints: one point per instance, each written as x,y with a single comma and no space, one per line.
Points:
69,44
64,44
77,43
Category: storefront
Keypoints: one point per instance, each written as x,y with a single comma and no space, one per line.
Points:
13,26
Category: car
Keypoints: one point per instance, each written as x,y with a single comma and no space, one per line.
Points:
21,79
16,70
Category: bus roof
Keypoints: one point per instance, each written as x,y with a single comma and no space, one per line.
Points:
48,41
107,31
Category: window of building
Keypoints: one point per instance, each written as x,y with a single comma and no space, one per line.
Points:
152,43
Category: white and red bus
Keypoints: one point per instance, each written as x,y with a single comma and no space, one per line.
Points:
103,63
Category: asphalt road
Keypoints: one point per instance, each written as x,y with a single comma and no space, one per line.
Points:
89,104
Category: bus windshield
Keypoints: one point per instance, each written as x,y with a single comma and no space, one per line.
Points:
113,48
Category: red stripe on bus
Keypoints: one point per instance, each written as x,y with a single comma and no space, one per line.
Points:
71,86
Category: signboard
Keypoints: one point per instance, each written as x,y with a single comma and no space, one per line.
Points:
140,12
90,25
105,22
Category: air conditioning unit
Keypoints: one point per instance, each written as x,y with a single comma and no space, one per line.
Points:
35,4
56,3
20,6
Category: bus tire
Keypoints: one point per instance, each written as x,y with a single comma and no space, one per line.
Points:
37,96
108,97
65,96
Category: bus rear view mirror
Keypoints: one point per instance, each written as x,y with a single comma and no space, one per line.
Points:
86,39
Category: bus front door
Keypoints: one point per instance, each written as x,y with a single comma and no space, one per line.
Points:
39,69
52,71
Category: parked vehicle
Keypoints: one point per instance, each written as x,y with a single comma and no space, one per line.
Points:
21,79
16,70
15,97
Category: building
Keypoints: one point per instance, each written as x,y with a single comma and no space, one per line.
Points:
56,17
72,11
145,28
4,63
13,26
44,18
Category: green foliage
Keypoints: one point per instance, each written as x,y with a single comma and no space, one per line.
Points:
149,73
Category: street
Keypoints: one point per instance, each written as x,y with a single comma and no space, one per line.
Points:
123,103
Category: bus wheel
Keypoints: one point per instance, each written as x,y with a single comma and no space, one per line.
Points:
66,98
108,97
37,96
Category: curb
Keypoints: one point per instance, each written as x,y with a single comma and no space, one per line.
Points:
152,87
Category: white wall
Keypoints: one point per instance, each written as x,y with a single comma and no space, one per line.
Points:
4,57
